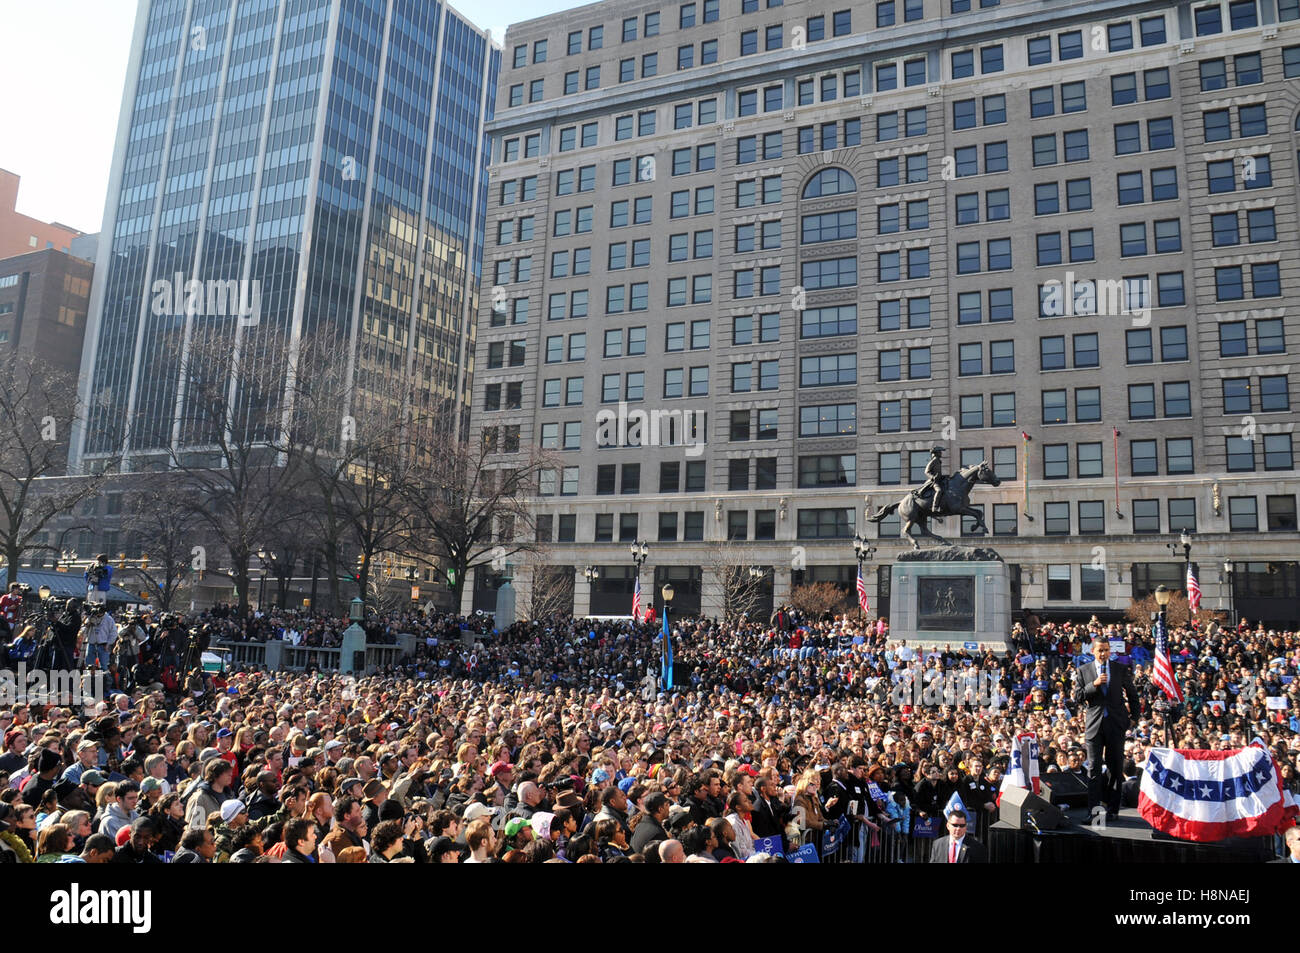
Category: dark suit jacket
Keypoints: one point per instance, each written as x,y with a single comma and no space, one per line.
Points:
769,823
971,851
1118,687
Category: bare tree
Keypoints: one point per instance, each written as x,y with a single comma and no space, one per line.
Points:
551,587
161,521
470,501
742,581
38,407
1177,613
237,473
818,598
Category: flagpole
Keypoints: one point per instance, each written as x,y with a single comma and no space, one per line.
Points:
1115,439
1024,453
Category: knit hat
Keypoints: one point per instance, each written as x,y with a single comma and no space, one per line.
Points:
232,809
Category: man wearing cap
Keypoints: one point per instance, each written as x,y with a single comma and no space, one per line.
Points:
518,832
82,796
45,766
503,773
225,738
233,816
333,751
87,758
15,745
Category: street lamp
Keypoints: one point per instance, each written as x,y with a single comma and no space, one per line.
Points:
1185,544
863,550
640,551
592,574
261,589
1161,704
1226,581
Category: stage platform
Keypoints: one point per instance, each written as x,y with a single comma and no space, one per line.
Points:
1126,840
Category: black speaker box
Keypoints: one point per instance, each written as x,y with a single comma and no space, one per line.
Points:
1065,790
1018,805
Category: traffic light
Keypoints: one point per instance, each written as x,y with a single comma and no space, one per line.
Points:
144,562
451,577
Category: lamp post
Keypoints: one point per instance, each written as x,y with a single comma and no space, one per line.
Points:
1161,704
592,574
1226,581
667,593
261,589
640,552
1185,544
863,550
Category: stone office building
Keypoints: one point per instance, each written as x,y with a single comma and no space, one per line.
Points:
810,241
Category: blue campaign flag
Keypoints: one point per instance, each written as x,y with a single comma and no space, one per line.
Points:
668,654
769,845
832,838
807,854
954,804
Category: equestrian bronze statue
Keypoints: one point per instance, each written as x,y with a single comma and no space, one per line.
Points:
939,497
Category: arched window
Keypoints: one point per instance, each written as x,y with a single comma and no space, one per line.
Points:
1297,122
829,182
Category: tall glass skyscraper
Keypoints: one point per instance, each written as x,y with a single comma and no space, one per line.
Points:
330,155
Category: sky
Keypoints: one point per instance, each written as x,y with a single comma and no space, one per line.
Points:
62,67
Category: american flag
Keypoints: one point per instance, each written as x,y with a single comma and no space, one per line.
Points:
1193,590
863,604
636,601
1162,672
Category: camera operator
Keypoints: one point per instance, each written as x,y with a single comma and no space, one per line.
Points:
126,650
11,605
99,641
99,579
57,639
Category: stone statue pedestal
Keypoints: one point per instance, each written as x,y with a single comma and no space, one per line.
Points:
950,595
505,611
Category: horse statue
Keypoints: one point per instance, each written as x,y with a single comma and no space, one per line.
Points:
917,509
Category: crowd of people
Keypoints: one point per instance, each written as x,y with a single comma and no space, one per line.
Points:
560,741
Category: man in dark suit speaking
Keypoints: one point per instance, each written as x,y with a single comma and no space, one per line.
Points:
956,847
1103,686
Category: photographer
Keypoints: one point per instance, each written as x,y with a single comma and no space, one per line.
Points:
55,632
99,641
11,606
99,579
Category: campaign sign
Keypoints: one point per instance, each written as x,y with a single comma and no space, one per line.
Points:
769,845
832,839
925,827
971,646
807,854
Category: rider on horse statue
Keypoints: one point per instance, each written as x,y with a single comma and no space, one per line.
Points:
935,480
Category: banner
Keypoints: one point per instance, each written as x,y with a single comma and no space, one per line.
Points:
1210,795
926,827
